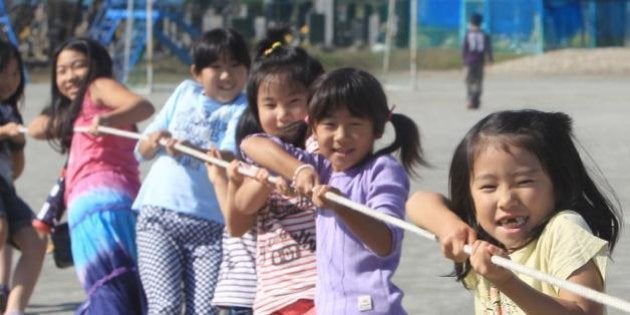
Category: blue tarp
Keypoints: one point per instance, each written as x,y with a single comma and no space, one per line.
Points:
546,24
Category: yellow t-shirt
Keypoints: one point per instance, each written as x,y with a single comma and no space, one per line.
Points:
565,245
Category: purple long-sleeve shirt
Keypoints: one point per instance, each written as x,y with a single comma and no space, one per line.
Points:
352,279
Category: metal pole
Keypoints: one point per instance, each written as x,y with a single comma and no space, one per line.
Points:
413,56
149,47
128,35
388,36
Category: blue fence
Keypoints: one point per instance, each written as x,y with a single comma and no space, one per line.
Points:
528,26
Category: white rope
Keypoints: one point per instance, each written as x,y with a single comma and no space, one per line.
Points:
581,290
497,260
586,292
180,147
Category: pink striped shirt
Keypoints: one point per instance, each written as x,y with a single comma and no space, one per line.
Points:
285,257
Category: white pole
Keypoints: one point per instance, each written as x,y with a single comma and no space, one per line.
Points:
149,46
413,44
128,36
388,36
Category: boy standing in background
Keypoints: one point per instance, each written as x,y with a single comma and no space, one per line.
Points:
476,47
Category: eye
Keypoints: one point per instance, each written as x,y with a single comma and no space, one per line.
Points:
79,64
487,187
269,105
524,182
296,102
356,124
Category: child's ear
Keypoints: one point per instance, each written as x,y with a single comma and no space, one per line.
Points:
194,73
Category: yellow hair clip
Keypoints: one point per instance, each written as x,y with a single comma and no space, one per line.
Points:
270,49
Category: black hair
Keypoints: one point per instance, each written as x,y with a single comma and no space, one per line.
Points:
363,96
214,43
549,136
476,19
9,52
63,111
293,64
247,125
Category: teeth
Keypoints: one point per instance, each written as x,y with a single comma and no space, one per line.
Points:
513,222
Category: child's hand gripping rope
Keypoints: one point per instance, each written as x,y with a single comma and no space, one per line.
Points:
305,183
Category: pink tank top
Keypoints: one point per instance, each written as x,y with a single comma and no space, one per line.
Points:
106,153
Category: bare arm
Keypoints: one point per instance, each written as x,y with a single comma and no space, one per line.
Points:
249,197
535,302
127,107
17,158
373,233
150,145
236,222
37,127
430,211
270,155
240,217
11,131
531,300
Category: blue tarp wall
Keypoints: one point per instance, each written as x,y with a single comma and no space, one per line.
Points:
528,26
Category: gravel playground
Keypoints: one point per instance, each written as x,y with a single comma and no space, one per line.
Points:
598,104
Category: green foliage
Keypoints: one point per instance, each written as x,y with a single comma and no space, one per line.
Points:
427,59
170,69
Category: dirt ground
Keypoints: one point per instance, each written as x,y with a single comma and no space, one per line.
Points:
600,61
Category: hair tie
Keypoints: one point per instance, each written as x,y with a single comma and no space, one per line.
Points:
391,111
270,49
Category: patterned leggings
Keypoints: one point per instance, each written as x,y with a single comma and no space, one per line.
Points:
178,254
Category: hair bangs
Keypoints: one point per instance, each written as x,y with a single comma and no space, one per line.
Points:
218,43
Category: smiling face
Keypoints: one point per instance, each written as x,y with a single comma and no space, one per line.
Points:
344,139
223,79
11,76
280,104
512,193
71,70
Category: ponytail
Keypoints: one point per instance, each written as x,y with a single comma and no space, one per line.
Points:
407,140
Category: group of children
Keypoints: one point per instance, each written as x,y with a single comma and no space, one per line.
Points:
195,238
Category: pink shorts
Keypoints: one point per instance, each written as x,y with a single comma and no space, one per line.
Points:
299,307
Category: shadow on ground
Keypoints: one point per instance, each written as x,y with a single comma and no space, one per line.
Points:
40,309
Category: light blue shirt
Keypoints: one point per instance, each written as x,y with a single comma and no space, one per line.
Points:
181,183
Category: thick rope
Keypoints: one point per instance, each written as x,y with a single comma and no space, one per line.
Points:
583,291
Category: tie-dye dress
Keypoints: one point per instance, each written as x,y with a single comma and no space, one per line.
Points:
102,180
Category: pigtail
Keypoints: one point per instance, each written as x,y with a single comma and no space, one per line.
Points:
575,189
407,140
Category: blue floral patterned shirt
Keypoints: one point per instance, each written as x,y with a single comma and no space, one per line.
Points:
181,183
